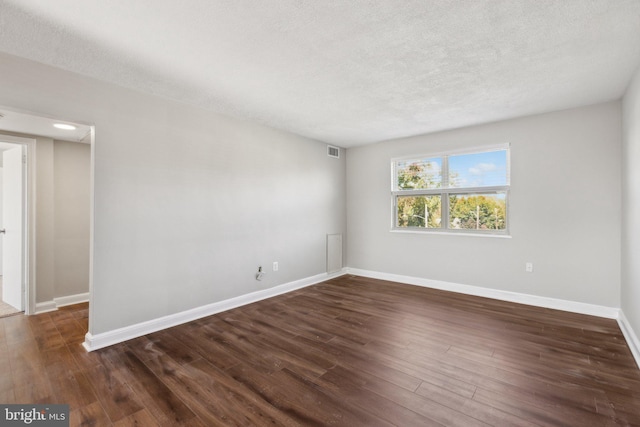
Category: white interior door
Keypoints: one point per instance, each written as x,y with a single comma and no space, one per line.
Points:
13,225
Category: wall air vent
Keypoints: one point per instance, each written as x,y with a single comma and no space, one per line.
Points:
333,151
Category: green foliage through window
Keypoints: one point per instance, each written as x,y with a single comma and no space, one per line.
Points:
419,211
420,174
477,212
453,192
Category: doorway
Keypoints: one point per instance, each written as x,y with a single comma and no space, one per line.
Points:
63,171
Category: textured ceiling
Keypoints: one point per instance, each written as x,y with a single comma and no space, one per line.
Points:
349,72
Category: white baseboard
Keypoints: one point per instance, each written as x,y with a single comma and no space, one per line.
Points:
554,303
53,305
105,339
44,307
632,339
71,299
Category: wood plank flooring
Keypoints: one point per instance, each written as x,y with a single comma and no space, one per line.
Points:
348,352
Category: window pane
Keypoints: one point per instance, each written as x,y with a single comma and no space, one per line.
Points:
419,211
478,169
419,174
478,211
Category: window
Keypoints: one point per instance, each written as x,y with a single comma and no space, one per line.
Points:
453,192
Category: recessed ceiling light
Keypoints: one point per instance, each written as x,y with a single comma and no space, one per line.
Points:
64,126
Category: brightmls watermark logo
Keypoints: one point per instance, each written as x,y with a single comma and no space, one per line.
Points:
34,415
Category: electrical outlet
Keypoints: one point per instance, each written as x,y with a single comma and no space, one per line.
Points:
528,267
275,266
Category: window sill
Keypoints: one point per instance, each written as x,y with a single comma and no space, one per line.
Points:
449,233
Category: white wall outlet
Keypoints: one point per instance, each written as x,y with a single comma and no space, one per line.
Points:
528,267
275,266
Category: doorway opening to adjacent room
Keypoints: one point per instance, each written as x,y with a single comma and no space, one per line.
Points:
47,180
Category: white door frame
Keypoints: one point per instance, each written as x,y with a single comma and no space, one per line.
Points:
29,238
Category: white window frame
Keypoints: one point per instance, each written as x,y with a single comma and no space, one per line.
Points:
445,191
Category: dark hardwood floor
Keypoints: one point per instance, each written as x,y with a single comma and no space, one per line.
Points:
347,352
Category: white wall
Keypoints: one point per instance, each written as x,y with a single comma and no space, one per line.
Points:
1,223
631,204
45,224
72,176
564,210
187,203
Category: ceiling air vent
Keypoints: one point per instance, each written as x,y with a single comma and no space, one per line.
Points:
333,151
